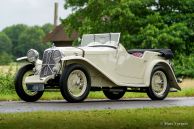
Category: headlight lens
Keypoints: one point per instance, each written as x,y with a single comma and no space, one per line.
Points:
32,55
57,56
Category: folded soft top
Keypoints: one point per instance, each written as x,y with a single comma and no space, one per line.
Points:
167,53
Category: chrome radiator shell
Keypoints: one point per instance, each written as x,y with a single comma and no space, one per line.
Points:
48,63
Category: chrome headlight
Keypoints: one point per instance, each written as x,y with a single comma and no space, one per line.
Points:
32,55
57,56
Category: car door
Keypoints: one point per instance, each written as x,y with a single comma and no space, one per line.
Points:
130,68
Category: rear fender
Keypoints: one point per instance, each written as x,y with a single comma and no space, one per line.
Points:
169,71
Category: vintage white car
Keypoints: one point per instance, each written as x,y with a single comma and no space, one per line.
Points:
99,63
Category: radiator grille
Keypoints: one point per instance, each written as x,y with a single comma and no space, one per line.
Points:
47,63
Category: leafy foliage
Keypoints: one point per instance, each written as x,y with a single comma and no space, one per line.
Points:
47,28
5,43
142,23
16,40
5,49
30,38
13,32
5,58
6,83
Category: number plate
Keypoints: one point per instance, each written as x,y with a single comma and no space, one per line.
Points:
35,87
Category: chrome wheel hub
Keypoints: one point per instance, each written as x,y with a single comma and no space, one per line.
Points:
159,83
77,83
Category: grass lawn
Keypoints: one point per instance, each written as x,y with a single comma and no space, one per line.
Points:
147,118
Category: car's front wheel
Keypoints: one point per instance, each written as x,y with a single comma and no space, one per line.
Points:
75,83
20,85
159,88
114,94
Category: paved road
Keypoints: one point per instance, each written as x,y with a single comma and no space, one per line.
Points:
61,105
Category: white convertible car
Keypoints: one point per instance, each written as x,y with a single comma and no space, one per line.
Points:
99,63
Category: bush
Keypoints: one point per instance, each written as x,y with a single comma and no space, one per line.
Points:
184,66
7,74
5,58
6,83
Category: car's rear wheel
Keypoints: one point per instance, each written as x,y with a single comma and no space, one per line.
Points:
75,83
114,94
21,88
159,88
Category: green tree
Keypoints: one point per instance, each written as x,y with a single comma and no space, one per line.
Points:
5,49
174,37
125,16
31,38
13,32
5,58
131,18
47,28
5,43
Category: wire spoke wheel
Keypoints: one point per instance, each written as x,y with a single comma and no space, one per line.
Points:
159,83
21,87
77,83
159,86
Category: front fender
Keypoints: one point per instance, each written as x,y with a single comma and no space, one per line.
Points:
37,64
80,59
22,58
172,79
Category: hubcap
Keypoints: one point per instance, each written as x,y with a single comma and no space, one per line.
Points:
159,83
27,74
77,83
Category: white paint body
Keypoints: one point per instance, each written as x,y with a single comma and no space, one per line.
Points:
110,67
120,67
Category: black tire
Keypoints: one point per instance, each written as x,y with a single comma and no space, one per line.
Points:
150,91
114,95
66,93
19,86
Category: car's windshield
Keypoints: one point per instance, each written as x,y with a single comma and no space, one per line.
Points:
107,39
